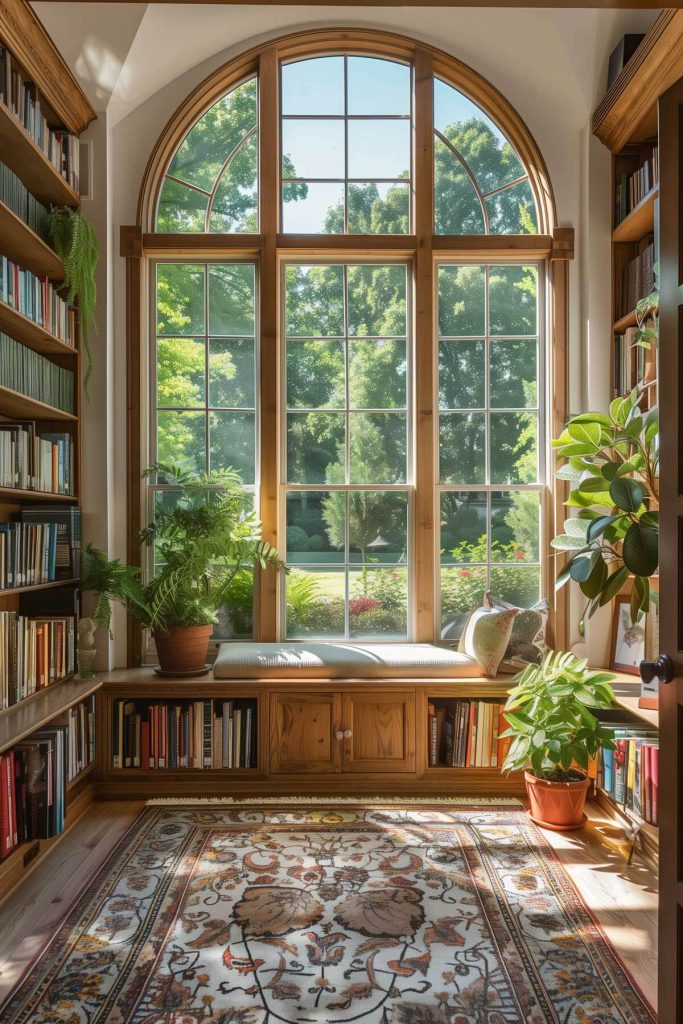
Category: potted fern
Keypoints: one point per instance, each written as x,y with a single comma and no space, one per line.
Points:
555,733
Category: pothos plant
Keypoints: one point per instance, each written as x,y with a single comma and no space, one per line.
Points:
612,463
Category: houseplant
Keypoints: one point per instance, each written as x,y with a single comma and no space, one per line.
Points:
555,734
76,245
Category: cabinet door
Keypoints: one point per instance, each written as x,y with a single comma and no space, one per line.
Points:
379,732
302,732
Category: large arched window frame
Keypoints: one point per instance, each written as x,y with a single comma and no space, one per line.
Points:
422,249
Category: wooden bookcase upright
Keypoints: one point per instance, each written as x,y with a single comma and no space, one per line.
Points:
65,106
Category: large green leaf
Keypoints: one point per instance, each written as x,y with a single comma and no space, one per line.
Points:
581,566
585,433
593,585
598,526
614,585
565,542
627,494
640,549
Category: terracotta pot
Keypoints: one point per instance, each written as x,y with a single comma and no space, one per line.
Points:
183,648
557,805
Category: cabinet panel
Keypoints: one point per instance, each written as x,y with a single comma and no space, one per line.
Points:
302,732
382,732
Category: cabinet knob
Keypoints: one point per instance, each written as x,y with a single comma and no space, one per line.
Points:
339,735
347,734
661,669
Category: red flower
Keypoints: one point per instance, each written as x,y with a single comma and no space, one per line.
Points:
465,574
520,554
359,605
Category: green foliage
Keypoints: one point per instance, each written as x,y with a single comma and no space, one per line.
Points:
612,462
647,316
550,717
76,245
463,584
111,581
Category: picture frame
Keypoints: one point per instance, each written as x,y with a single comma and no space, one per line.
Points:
628,642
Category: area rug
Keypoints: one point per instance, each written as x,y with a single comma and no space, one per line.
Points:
302,914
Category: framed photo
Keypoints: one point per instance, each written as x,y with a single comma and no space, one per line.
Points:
628,641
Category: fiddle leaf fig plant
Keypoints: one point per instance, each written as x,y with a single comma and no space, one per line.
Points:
550,717
612,464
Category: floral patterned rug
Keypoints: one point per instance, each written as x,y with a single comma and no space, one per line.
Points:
235,914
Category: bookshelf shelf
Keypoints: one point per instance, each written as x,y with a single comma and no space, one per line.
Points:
629,702
23,246
24,718
629,320
19,152
648,832
31,334
9,591
79,779
19,495
13,403
639,221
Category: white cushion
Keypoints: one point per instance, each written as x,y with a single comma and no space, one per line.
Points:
341,661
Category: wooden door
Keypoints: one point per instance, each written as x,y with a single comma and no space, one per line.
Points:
303,732
671,558
379,732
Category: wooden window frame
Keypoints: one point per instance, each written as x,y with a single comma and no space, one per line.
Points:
552,245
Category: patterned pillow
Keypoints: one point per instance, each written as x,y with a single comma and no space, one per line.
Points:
486,636
527,644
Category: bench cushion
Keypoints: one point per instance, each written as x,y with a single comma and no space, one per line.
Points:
341,661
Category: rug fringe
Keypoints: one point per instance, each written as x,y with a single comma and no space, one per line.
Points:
332,801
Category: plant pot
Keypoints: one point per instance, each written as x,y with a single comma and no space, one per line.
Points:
557,805
183,648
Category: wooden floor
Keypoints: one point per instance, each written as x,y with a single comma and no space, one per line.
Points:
623,899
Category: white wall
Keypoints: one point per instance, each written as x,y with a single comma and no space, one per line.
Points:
550,64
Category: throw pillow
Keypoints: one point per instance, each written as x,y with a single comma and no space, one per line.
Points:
527,644
486,636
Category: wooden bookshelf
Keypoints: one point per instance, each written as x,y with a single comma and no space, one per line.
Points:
31,334
630,320
20,494
23,246
19,152
639,221
32,587
16,405
20,720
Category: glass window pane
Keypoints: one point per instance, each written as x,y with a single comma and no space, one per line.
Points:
181,208
313,208
464,526
378,526
377,208
378,603
181,372
513,211
513,373
315,374
462,374
515,526
462,301
231,299
180,299
236,617
377,300
518,585
235,203
316,527
313,148
377,448
513,300
181,440
314,86
315,447
377,374
315,603
462,590
457,207
379,149
232,443
514,447
378,86
462,438
232,373
314,301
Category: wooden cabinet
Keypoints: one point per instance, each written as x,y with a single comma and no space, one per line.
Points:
334,732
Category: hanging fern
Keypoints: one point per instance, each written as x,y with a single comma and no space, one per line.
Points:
76,245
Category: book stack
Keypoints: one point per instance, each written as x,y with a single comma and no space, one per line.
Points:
26,371
33,789
35,652
20,97
36,461
67,522
638,276
191,734
38,300
633,364
630,773
466,734
80,731
15,195
632,189
28,554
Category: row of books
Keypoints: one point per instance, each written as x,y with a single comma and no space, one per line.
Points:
38,300
26,371
15,195
35,652
21,99
80,749
630,773
466,734
189,734
28,554
35,461
633,364
638,277
632,188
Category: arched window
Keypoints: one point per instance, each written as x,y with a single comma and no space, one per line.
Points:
349,238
